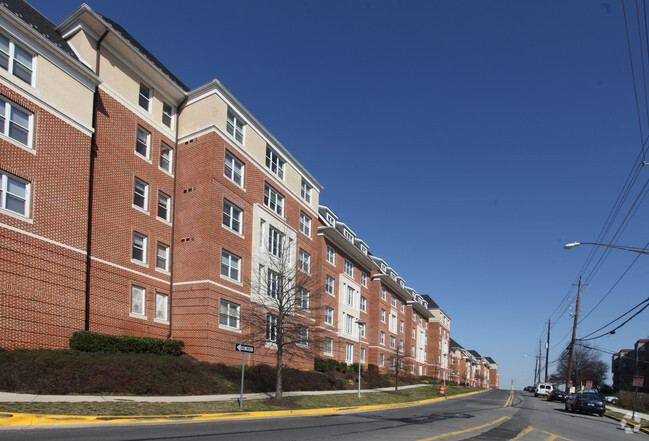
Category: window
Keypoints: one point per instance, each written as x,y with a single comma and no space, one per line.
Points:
413,333
232,216
414,316
401,345
274,162
141,194
235,126
401,326
306,191
143,142
274,200
364,279
412,351
382,360
16,122
304,262
145,97
362,330
167,114
305,224
329,285
403,306
15,59
229,314
393,323
233,169
302,335
162,257
14,193
349,268
393,300
329,315
139,247
275,241
382,338
164,203
349,324
363,304
383,315
271,327
383,293
362,355
350,296
328,345
161,306
331,255
137,300
230,265
273,284
166,157
303,298
349,353
391,362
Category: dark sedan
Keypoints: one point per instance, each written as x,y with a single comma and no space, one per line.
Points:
556,394
586,402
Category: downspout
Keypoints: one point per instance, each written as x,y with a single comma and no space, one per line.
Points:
91,179
173,222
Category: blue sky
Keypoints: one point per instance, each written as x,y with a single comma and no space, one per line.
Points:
464,141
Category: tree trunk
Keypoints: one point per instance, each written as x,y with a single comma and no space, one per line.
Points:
278,382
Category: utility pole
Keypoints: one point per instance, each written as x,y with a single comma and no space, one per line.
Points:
540,360
547,352
574,335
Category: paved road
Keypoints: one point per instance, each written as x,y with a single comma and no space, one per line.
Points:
482,417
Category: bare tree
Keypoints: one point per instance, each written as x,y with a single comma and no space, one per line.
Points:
398,358
587,366
286,295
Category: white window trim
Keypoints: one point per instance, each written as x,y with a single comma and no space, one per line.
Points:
9,106
12,59
162,194
148,143
235,162
163,146
157,319
145,240
148,98
332,255
305,224
275,163
272,197
233,208
142,291
4,179
237,123
231,257
237,307
145,196
166,249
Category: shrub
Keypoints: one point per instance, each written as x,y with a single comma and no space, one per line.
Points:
326,365
372,368
92,342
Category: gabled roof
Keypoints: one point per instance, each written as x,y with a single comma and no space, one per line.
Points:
490,360
39,23
475,353
148,55
431,302
454,344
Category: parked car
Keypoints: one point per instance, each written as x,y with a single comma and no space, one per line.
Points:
556,394
543,389
589,402
608,398
529,389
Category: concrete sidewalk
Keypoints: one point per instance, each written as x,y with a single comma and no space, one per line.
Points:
644,416
8,397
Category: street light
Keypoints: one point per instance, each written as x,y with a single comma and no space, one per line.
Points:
638,250
360,324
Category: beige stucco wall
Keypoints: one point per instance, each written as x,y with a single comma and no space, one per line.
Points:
85,47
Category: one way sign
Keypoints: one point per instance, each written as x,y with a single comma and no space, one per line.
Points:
239,347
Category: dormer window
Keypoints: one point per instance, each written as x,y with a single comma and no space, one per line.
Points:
364,249
146,94
274,163
330,219
402,283
383,268
348,236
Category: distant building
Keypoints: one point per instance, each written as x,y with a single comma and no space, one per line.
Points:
628,363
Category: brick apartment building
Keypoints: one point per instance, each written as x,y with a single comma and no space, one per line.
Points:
130,204
628,363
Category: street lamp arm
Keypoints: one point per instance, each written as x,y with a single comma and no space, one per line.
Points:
570,246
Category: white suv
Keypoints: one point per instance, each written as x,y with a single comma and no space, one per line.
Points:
543,389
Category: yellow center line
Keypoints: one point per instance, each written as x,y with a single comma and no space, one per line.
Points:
510,400
467,430
523,433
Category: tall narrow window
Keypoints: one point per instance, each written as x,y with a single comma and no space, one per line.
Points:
349,268
161,306
166,157
167,114
349,353
233,169
329,315
274,162
235,126
273,285
302,335
162,257
143,143
139,247
329,285
304,262
274,200
305,191
14,194
305,224
164,206
328,346
229,314
275,242
137,300
230,265
271,327
146,94
141,194
331,255
232,216
303,298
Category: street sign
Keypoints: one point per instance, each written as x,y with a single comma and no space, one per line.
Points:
239,347
589,385
638,381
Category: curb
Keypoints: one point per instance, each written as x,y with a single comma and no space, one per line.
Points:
642,429
28,419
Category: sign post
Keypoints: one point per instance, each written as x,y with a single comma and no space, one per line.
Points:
243,349
638,381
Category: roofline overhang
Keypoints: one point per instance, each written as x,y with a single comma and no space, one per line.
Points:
72,20
337,239
395,287
215,86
